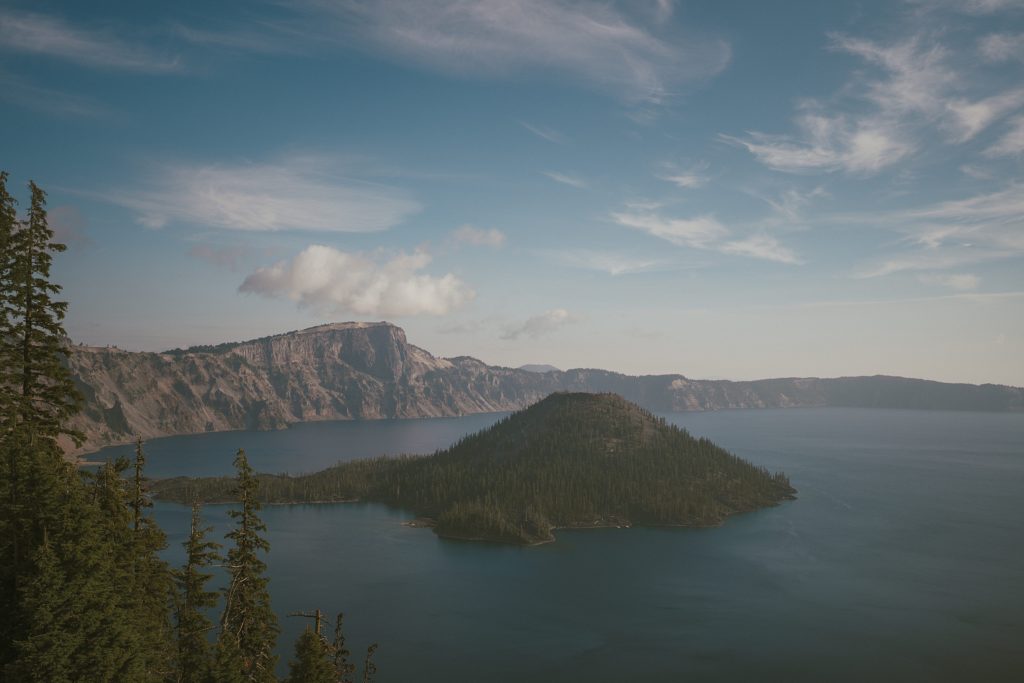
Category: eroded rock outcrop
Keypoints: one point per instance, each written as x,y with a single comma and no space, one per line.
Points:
348,371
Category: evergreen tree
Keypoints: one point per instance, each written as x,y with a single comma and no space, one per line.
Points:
228,664
248,619
47,653
194,655
344,670
369,668
35,347
37,397
8,224
152,586
312,663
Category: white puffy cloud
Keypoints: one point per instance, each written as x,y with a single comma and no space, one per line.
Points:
479,237
298,193
324,278
540,325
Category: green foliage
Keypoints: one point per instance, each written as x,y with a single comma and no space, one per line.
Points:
369,667
33,344
192,624
151,580
47,652
571,460
312,663
344,670
248,619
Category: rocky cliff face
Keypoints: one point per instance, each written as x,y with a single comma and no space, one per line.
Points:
349,371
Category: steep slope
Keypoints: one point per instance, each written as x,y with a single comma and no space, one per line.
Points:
570,460
369,371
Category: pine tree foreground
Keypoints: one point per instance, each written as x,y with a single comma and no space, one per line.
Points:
84,592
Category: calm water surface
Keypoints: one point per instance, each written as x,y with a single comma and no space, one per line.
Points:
902,559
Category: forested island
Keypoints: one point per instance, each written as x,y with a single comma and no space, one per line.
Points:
572,460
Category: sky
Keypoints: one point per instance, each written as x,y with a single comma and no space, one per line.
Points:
721,189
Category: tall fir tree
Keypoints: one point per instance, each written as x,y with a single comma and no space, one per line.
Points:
37,397
152,587
369,666
8,224
192,624
344,669
312,663
47,652
248,621
37,344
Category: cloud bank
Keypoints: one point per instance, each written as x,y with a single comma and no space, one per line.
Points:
326,279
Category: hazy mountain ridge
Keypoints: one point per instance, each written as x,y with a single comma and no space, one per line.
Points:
370,371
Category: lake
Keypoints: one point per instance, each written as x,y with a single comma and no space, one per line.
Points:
901,559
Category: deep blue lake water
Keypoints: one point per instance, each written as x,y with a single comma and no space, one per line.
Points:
902,559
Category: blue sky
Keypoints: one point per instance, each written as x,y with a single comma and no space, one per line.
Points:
721,189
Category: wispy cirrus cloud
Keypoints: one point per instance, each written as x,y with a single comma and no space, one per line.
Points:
688,178
479,237
950,235
587,40
544,133
297,193
610,262
879,118
699,232
960,282
49,101
1011,143
973,7
567,179
761,246
42,34
706,232
332,281
1002,47
540,325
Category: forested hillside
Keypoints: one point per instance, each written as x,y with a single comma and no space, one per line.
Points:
571,460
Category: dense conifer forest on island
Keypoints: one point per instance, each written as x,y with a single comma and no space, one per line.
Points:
84,593
570,460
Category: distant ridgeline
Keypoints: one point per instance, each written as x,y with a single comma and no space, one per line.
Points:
570,460
365,371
